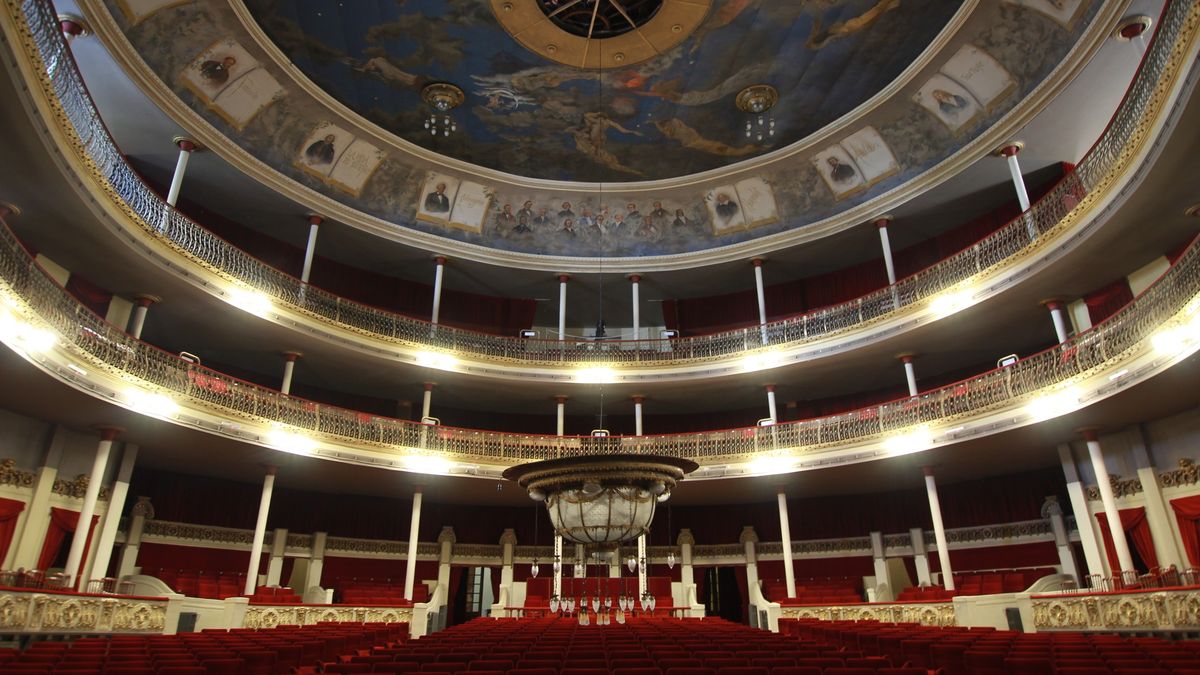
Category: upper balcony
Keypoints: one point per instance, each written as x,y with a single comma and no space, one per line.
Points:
1052,226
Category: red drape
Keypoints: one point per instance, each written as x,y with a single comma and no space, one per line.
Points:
1134,524
62,523
1105,301
1035,554
1187,511
496,584
744,589
700,576
92,296
10,509
456,577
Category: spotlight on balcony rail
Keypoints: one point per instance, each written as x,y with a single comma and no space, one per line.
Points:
1005,361
668,334
600,433
767,422
527,333
431,421
190,358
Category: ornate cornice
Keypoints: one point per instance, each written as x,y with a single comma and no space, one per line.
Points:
76,488
925,614
207,534
1188,473
1000,532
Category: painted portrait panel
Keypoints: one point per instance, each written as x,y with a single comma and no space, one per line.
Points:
1064,12
216,68
948,101
979,74
724,210
758,202
138,10
472,202
838,171
437,198
322,148
871,154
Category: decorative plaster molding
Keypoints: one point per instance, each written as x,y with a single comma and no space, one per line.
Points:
1156,611
1121,487
76,488
11,475
270,616
925,614
1188,473
45,613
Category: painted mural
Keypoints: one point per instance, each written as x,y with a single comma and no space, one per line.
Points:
202,49
666,117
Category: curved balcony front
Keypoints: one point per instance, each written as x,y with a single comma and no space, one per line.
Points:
1051,227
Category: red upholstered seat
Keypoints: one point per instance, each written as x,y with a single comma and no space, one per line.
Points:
849,671
872,662
181,670
349,668
1016,665
1083,670
530,671
490,664
583,671
744,670
797,670
539,664
690,671
644,670
441,667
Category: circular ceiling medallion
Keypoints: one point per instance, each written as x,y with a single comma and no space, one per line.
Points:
597,34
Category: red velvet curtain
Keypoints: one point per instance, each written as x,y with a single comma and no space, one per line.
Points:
1105,302
744,589
700,575
92,296
496,584
456,577
10,509
62,523
1134,524
1187,512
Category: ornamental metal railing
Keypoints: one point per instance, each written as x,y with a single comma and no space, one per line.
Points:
115,351
1128,127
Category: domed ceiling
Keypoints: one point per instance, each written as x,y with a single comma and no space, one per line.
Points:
611,134
667,116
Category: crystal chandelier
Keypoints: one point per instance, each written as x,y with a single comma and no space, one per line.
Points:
756,101
601,499
441,97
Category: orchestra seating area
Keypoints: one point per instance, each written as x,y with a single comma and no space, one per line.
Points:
277,651
275,595
986,651
201,583
815,592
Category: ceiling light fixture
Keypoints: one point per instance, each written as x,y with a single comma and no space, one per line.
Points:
441,97
757,100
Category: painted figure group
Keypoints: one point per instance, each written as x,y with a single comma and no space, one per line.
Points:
567,222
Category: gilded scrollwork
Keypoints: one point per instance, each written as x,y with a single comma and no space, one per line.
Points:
1121,487
44,612
1164,610
270,616
11,475
926,614
75,488
1188,473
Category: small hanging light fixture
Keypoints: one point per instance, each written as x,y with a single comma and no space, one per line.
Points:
441,97
756,101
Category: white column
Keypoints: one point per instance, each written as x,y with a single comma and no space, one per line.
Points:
80,536
634,284
260,531
141,511
560,415
98,568
427,399
762,298
438,271
686,541
558,565
883,585
637,414
410,567
446,541
785,531
643,564
137,321
1110,502
316,563
37,515
1157,516
1009,152
748,540
310,248
1059,319
772,411
289,367
920,555
885,242
275,561
1052,510
910,373
186,147
939,530
508,544
562,306
1088,536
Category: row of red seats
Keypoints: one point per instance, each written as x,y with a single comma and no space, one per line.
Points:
815,592
275,595
959,651
216,585
280,651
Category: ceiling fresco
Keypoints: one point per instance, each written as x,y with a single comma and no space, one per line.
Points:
666,117
523,115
